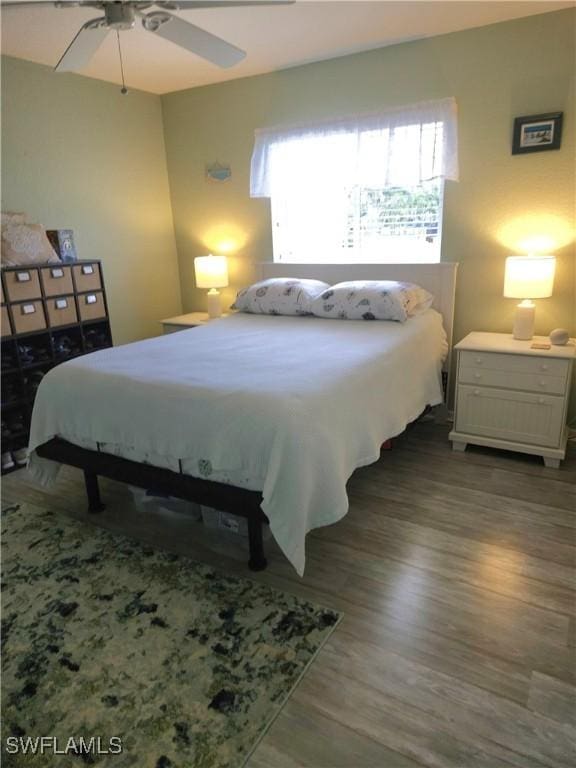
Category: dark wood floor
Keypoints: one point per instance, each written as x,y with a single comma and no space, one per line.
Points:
456,574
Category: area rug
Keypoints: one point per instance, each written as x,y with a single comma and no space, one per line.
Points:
129,656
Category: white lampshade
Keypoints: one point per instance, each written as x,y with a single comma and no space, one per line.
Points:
529,277
211,271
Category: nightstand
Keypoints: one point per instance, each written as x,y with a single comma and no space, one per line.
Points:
182,322
511,396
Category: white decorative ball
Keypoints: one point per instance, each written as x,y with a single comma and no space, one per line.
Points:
559,337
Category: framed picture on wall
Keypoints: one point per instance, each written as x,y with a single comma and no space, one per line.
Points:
537,133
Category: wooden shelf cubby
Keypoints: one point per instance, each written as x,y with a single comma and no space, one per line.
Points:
51,313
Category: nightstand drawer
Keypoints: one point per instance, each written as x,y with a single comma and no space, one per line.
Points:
544,366
514,416
528,382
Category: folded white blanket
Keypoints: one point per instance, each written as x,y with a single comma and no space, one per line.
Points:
294,404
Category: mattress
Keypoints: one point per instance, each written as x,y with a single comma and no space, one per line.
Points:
289,406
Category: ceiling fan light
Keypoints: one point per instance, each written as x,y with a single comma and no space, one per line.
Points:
120,15
153,21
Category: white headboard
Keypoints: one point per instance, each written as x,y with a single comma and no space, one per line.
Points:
439,279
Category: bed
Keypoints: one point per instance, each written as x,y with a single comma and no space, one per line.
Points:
266,417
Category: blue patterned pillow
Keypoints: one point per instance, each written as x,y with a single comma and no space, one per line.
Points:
372,300
279,296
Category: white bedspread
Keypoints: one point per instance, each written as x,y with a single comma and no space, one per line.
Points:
291,404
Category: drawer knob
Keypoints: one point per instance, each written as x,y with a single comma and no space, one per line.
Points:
477,392
542,383
478,360
544,367
541,401
477,375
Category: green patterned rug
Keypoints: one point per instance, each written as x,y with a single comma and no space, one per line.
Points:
109,645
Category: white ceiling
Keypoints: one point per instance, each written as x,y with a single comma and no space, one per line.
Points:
274,37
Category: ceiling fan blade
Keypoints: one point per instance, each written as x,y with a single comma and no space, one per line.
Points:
194,39
24,3
55,3
182,5
89,38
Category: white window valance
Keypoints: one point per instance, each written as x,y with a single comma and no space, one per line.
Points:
403,146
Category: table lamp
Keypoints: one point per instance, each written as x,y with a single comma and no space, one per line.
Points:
212,272
527,278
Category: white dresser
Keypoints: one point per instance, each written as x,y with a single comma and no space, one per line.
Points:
512,396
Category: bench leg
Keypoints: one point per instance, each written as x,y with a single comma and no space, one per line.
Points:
93,492
257,560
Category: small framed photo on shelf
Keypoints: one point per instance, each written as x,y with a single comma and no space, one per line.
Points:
537,133
62,240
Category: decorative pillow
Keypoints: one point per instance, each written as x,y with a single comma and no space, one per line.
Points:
279,296
9,217
26,244
419,300
372,300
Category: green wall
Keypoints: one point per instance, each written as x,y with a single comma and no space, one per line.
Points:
496,73
77,154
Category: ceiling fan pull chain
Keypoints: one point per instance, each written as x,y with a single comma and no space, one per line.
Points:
123,90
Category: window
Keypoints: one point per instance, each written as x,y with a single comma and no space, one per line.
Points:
371,224
366,189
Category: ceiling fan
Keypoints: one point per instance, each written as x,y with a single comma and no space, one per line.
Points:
121,15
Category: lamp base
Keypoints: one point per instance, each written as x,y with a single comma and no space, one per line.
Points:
214,305
524,320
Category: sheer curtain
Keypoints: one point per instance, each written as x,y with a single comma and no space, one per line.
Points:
403,147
